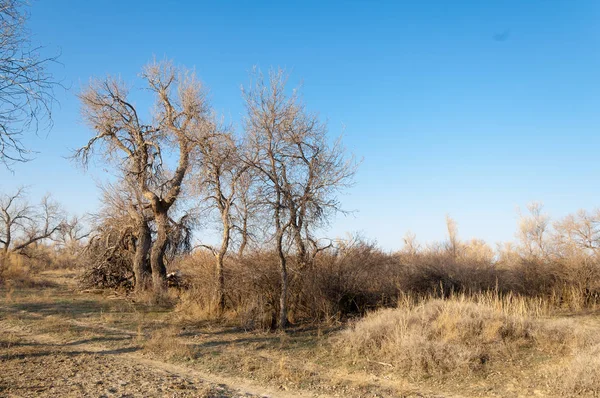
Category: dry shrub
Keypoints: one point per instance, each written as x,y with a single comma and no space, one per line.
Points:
453,337
441,274
356,277
338,284
348,281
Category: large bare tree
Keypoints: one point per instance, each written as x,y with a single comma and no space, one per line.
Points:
26,85
299,170
176,126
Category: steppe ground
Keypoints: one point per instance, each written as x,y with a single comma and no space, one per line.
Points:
58,341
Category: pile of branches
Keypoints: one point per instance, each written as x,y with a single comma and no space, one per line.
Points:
109,259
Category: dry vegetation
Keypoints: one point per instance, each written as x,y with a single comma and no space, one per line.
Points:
450,318
271,303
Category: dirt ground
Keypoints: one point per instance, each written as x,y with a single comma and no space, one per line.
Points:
31,368
58,341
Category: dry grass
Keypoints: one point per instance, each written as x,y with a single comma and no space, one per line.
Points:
166,343
580,376
459,337
17,273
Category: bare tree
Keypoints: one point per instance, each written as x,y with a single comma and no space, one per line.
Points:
453,244
220,176
299,172
177,125
247,209
26,86
579,233
534,231
22,224
411,245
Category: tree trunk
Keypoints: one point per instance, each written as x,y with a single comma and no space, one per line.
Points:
220,299
220,259
301,247
141,267
283,310
157,254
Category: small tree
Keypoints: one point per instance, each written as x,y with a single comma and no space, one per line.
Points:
579,233
533,233
222,176
298,170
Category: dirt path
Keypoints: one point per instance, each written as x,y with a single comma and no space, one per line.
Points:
41,364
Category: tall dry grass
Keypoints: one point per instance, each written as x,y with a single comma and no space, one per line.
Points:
459,336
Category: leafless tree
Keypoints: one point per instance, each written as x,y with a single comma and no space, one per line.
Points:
579,232
26,85
299,172
220,177
248,212
534,231
178,124
453,244
22,224
71,238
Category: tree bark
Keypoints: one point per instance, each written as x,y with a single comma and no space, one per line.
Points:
157,254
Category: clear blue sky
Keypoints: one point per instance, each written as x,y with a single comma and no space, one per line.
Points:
470,108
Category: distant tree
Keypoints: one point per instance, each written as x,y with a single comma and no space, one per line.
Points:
26,86
534,232
298,170
23,224
579,233
453,244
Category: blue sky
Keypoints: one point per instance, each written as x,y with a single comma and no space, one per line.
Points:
467,108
